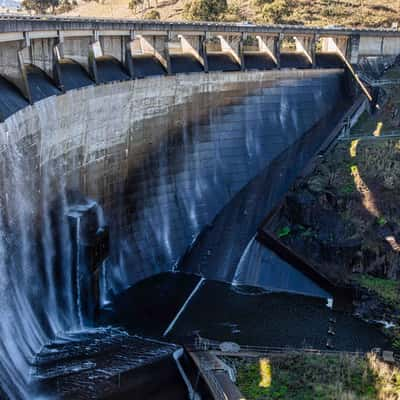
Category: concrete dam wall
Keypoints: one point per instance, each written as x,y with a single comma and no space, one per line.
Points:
155,160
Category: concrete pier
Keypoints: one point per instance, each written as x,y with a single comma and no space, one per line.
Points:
66,53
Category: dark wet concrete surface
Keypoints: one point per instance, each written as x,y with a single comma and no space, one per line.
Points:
40,84
328,60
11,99
110,69
181,63
108,364
147,65
221,246
294,60
73,75
259,61
178,186
222,62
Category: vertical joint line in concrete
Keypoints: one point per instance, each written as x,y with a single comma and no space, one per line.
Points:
313,50
241,52
166,53
204,51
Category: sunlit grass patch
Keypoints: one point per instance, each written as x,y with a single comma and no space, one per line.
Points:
387,289
323,377
265,372
353,148
378,129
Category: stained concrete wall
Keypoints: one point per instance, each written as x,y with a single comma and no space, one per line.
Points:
378,46
9,63
41,54
77,48
114,46
163,155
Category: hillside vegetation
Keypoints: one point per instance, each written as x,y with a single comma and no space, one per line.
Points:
311,377
371,13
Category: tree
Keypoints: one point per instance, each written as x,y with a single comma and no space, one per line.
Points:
205,10
40,6
152,14
276,11
260,3
66,5
233,13
134,4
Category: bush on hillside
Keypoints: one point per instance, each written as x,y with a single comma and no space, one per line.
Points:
276,11
134,4
40,6
205,10
233,13
152,14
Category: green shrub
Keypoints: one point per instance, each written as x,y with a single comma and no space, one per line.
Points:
285,231
381,221
387,289
205,10
276,11
152,14
347,189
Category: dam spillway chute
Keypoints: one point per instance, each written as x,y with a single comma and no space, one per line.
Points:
259,61
147,65
328,60
40,84
185,63
110,69
294,60
222,61
73,75
11,99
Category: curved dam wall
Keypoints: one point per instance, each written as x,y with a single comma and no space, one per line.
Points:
159,157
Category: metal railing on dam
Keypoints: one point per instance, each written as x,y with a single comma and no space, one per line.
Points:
8,23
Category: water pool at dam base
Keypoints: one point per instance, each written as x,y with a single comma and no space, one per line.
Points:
119,198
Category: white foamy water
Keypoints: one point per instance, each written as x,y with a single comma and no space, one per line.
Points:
37,299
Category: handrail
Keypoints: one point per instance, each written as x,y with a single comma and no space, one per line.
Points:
203,344
216,387
209,377
5,19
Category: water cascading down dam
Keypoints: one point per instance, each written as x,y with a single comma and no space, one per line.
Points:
108,179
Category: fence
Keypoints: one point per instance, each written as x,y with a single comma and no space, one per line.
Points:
203,344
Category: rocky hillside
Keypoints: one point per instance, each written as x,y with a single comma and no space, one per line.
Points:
345,215
376,13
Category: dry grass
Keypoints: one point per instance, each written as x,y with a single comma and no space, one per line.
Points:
374,13
387,378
